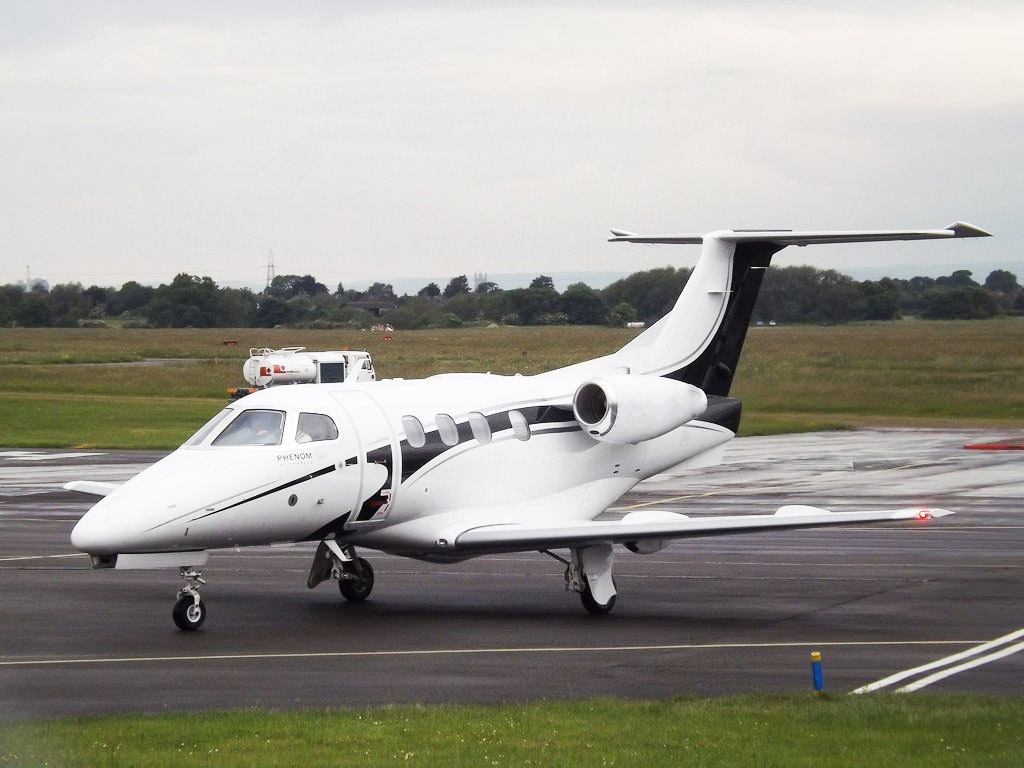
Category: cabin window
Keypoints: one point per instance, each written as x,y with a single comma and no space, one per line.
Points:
414,431
314,427
481,429
208,427
254,427
520,427
446,429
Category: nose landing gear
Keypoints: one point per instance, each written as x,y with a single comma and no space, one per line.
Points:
189,609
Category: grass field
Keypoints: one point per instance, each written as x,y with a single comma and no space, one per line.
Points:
761,730
59,388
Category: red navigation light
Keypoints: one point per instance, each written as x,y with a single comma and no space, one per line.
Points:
924,514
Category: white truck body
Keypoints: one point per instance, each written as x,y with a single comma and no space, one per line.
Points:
268,367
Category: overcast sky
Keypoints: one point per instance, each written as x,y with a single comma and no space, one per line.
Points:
389,139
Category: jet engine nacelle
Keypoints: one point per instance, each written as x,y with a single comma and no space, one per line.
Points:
629,409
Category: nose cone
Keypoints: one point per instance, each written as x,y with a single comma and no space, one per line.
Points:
134,517
167,506
97,533
121,521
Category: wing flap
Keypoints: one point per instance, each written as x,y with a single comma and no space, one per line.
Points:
668,525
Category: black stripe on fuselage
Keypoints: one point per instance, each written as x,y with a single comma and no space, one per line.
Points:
415,458
281,487
336,527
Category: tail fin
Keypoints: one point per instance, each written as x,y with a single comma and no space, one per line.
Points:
700,340
713,369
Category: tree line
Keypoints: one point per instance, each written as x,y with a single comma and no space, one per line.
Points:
788,295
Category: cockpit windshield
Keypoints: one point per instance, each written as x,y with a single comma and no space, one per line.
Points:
254,427
208,427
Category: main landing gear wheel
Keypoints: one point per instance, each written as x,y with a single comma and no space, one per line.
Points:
356,580
188,614
591,604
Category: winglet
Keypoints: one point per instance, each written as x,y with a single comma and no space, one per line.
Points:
919,513
963,229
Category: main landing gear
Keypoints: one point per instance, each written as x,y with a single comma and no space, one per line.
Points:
589,572
189,609
335,561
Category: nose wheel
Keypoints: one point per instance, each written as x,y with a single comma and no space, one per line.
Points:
189,610
189,614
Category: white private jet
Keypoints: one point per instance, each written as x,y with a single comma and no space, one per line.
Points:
460,465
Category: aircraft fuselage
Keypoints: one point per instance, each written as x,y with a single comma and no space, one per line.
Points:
489,445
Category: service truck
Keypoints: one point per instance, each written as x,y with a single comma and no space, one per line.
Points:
268,367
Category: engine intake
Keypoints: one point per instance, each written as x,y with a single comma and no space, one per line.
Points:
630,409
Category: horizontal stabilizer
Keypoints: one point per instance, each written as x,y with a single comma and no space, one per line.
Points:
519,537
91,487
783,237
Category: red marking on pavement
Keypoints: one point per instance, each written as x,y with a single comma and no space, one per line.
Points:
1005,445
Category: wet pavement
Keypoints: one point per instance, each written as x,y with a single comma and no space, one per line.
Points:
703,616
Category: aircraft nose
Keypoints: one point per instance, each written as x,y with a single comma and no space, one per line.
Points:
94,536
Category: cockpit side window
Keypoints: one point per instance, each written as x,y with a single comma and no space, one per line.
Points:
314,427
254,427
205,430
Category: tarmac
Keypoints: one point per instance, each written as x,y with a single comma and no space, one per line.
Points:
705,616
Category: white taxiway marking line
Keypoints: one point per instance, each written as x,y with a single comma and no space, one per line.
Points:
765,563
934,678
40,557
34,456
667,500
946,661
469,652
5,519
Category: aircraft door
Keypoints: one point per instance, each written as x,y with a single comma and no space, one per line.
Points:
377,457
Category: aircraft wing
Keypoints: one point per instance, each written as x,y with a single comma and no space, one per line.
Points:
787,237
639,526
92,487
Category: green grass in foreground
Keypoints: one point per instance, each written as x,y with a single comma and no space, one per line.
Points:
761,730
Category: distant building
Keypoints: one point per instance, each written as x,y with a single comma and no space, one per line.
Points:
36,283
378,306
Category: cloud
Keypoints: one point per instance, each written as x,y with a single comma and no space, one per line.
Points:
456,138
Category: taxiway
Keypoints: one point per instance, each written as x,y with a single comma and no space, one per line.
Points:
704,616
